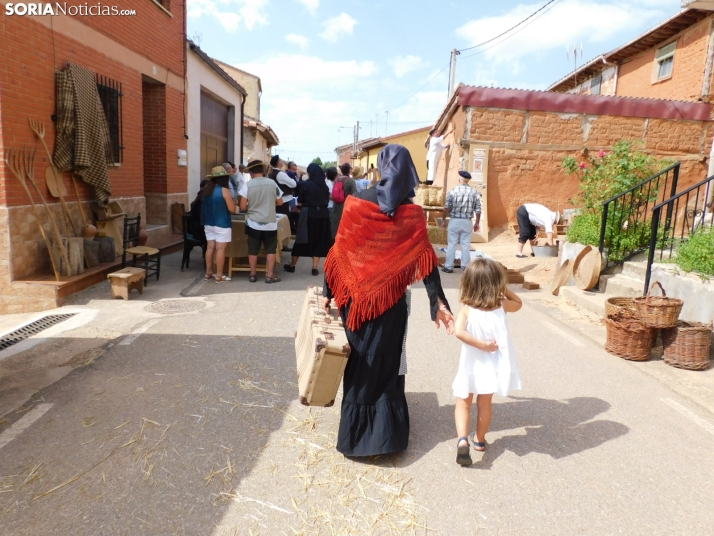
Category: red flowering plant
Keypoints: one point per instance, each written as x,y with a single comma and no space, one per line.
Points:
603,177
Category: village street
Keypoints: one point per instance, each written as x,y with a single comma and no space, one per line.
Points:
189,424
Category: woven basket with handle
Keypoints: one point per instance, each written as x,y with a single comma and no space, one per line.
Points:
658,311
687,345
615,305
628,337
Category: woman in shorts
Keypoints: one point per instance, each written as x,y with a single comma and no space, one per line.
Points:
216,209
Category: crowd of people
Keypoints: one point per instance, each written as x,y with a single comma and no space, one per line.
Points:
313,204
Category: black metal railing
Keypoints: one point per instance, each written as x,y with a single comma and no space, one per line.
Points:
676,219
625,225
110,95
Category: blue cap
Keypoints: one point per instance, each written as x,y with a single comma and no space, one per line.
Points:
465,175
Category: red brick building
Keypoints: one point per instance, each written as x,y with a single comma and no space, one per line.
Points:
140,62
671,61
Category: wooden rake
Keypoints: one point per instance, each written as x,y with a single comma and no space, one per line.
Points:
21,164
38,127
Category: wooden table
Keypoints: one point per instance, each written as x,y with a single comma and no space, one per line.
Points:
237,250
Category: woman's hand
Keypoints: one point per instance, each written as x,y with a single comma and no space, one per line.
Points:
326,304
444,316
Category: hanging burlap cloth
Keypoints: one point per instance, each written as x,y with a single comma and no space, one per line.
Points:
82,145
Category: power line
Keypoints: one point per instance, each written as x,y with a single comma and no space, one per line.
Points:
418,90
553,2
512,28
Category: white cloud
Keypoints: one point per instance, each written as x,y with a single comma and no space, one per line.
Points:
404,65
312,5
315,72
230,13
305,100
338,27
299,40
567,23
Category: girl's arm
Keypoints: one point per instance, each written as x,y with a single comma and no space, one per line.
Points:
465,337
229,201
511,302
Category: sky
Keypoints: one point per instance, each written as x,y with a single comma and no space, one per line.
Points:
326,64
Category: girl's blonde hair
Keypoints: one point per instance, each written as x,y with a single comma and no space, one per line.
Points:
483,284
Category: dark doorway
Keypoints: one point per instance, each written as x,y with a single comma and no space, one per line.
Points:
214,133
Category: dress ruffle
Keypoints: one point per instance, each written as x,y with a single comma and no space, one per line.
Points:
381,428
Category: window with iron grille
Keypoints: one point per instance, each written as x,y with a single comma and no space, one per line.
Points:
110,94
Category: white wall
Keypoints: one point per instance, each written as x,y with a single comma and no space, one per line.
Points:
200,77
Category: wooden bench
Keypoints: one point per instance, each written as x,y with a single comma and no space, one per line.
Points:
126,280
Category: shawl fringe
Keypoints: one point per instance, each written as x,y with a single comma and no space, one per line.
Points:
392,274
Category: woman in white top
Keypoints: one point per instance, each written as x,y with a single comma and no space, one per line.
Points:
488,360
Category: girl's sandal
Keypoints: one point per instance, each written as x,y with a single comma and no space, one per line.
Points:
272,279
477,446
463,456
208,277
253,278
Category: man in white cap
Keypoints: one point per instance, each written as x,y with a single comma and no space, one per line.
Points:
462,204
531,216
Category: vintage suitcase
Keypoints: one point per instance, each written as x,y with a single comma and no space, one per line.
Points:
322,351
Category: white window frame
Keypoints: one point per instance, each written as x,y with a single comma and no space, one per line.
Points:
662,54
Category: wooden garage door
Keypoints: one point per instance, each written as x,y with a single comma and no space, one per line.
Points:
214,133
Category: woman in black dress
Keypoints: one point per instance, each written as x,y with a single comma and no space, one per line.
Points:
382,246
313,237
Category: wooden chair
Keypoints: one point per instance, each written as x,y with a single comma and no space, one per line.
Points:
142,257
192,237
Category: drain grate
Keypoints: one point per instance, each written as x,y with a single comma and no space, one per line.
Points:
169,307
25,332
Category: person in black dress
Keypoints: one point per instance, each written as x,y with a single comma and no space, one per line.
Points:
376,234
313,237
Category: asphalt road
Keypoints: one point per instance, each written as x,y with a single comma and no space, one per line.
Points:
191,426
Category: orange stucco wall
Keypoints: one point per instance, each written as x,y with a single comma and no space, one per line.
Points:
526,151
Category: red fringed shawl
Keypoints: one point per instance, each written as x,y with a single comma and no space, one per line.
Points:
376,257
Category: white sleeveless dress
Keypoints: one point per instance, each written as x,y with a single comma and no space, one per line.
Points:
482,372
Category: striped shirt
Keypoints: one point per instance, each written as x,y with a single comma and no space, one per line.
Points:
463,202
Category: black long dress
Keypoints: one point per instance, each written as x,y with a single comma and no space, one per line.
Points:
319,236
375,416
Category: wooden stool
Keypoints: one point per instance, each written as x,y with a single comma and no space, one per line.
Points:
126,280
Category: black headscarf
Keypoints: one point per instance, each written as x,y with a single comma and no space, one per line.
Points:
399,177
317,175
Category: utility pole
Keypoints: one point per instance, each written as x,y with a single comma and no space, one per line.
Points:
358,131
452,72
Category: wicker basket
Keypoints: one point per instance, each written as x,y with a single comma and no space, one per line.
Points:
628,337
687,345
615,305
658,311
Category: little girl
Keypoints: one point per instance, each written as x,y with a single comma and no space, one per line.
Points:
488,359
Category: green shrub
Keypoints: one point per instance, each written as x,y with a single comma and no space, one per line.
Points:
697,253
602,177
585,229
